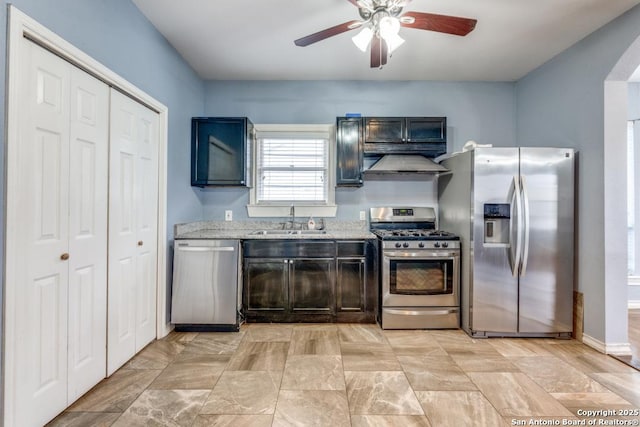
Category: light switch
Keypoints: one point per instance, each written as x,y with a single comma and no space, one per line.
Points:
363,215
228,215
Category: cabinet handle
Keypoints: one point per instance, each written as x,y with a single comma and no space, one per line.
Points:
140,243
64,256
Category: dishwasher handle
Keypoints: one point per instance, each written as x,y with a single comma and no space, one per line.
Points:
206,248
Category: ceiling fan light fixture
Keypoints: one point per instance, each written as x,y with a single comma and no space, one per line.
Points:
393,42
363,38
388,26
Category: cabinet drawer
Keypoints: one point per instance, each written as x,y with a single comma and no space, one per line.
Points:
351,248
290,248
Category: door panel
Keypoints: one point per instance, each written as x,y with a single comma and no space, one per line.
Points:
494,291
88,232
546,286
40,370
133,204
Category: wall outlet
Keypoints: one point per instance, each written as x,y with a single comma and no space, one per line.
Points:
228,215
363,215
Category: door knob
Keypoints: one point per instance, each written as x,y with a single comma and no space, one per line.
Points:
140,243
64,256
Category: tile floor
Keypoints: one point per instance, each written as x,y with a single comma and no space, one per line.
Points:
634,339
356,375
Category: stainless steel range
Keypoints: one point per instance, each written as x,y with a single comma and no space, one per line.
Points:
420,269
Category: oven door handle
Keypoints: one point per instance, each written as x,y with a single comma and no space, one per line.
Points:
422,255
404,312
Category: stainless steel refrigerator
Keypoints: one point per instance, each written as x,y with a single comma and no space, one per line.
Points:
514,211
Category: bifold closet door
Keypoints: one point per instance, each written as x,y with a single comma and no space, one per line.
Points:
133,223
61,263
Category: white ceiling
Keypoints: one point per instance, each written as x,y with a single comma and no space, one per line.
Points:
253,39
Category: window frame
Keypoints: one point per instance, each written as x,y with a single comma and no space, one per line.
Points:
283,208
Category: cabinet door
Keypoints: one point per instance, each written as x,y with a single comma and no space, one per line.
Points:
426,129
349,154
219,151
350,284
384,129
265,284
311,284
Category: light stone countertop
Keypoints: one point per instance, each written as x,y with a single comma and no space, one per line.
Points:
243,230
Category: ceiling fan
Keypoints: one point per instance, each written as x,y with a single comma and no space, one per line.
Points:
381,21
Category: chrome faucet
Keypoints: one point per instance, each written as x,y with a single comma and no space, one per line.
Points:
292,214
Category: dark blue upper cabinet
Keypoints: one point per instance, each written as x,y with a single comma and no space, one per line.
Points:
221,151
423,135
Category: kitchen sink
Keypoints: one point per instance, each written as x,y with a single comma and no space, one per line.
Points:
287,232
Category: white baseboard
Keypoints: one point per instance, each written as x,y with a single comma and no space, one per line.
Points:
634,304
619,349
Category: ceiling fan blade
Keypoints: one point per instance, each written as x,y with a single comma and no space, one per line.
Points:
376,60
440,23
354,2
379,52
328,32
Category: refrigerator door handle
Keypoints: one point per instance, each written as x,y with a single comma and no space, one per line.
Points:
526,221
517,202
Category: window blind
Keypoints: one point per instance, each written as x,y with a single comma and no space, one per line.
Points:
292,167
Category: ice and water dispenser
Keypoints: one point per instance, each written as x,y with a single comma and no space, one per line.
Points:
496,223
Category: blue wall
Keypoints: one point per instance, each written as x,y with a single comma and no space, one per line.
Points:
562,103
484,112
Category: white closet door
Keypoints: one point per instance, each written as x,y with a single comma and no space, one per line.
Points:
133,201
89,153
42,274
147,225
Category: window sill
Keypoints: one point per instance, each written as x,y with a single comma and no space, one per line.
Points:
302,211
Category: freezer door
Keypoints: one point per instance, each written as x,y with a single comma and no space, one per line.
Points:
493,286
546,278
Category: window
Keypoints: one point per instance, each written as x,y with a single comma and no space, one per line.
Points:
293,166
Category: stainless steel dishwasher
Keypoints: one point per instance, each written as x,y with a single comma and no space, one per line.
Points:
206,285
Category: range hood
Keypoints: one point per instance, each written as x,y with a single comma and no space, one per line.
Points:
405,163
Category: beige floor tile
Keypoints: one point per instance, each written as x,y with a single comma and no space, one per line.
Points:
591,400
381,393
115,393
314,341
468,348
458,408
389,421
361,333
435,373
195,376
312,408
181,337
484,363
588,360
170,408
244,392
233,421
310,372
517,347
626,386
265,332
83,419
156,355
556,376
259,356
414,343
515,394
214,343
369,357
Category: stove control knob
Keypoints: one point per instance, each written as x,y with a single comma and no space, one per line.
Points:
398,245
445,245
436,245
421,245
405,245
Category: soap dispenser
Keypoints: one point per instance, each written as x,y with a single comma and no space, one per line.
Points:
311,224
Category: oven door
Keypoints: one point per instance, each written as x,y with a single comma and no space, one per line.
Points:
420,278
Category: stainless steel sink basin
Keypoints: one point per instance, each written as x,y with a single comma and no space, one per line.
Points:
287,232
